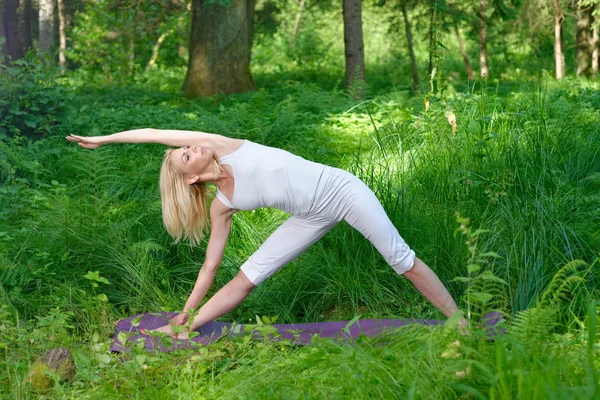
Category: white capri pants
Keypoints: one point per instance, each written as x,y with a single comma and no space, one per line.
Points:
340,196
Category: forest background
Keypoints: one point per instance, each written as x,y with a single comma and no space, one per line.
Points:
474,122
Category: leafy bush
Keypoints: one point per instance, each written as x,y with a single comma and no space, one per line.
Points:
31,98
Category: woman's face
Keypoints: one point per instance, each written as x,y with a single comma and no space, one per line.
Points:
193,162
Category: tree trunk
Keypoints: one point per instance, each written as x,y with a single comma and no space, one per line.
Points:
131,57
155,50
583,34
11,29
431,35
46,26
463,53
461,45
354,48
483,57
25,25
220,47
595,52
3,50
62,36
298,17
559,56
411,50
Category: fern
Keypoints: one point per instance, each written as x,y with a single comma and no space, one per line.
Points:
485,292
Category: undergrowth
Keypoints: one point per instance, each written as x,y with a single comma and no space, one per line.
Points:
81,245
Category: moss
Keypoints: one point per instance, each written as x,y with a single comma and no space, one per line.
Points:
55,363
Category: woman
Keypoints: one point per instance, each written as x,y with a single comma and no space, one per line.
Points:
249,176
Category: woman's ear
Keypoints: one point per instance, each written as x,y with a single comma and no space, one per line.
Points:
192,179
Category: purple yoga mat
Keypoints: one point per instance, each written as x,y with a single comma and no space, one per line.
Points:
297,333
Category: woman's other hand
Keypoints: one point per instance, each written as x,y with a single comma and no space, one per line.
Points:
180,319
182,334
87,142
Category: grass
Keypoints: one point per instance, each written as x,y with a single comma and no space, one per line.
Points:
523,165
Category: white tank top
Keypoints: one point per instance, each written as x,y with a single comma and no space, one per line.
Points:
269,177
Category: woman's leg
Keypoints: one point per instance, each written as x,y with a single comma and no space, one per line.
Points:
365,214
288,241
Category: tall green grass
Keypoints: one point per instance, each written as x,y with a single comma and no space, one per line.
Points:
522,166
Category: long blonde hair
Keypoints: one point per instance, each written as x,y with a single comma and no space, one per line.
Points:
184,206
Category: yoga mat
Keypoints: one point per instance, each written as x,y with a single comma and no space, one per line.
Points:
297,333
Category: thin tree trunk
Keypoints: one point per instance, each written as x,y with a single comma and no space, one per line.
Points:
155,50
461,45
583,33
595,52
298,17
463,53
559,56
411,50
432,33
220,48
25,25
11,29
131,56
46,26
3,50
483,57
354,48
62,36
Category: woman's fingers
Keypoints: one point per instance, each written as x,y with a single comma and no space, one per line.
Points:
167,330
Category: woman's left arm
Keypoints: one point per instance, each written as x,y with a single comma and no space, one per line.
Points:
169,137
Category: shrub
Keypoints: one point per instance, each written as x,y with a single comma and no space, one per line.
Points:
32,98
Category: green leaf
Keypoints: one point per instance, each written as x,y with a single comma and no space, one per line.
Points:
489,254
471,268
140,359
461,279
480,231
452,322
136,321
481,297
350,323
103,358
122,337
473,127
30,121
95,337
102,297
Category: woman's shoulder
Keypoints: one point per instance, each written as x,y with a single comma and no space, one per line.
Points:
226,145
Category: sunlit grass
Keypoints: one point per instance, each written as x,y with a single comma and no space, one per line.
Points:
523,166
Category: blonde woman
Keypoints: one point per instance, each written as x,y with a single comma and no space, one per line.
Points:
248,176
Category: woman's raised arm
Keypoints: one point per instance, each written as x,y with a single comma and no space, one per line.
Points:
169,137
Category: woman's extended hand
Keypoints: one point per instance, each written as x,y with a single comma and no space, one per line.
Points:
179,320
183,334
87,142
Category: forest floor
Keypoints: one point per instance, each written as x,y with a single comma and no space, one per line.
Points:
503,204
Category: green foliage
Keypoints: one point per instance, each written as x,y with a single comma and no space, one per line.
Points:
115,41
485,291
32,99
522,164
